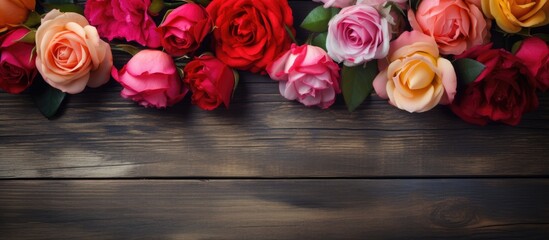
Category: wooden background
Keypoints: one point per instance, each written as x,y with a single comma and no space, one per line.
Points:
267,168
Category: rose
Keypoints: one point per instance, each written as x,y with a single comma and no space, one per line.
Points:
512,15
336,3
534,53
14,12
211,82
456,25
357,34
249,34
70,54
417,78
184,29
306,73
503,91
151,85
17,68
127,19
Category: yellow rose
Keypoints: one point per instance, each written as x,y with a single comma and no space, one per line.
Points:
14,12
70,54
513,15
416,78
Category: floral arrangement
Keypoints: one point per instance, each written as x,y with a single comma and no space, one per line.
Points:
485,59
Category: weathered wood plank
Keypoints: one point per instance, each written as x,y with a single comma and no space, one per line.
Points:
282,209
262,135
102,135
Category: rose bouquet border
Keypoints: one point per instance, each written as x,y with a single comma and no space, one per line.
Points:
487,62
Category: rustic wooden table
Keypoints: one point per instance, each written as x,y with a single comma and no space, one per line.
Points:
267,168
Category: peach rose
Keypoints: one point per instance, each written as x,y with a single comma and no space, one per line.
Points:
456,25
14,12
70,54
513,15
417,78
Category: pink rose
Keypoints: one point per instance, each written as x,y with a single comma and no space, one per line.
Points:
417,78
69,53
534,53
151,85
336,3
358,34
307,74
184,29
128,19
17,68
456,25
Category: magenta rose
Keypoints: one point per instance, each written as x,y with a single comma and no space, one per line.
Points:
184,29
151,85
534,53
211,82
502,92
17,68
127,19
306,73
336,3
358,34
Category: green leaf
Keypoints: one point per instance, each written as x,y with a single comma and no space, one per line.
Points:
131,49
64,7
356,83
204,3
317,20
48,100
543,36
33,19
156,7
392,5
59,1
290,33
236,80
180,72
516,47
414,4
30,37
467,70
320,40
165,16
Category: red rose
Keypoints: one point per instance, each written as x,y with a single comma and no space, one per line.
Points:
211,82
250,34
502,92
534,53
17,68
184,29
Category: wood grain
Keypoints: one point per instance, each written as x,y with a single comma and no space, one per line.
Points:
101,134
275,209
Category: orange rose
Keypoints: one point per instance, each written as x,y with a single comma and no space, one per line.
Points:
14,12
512,16
70,54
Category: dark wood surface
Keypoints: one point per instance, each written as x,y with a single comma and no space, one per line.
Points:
267,168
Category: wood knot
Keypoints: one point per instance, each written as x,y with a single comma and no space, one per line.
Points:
453,213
